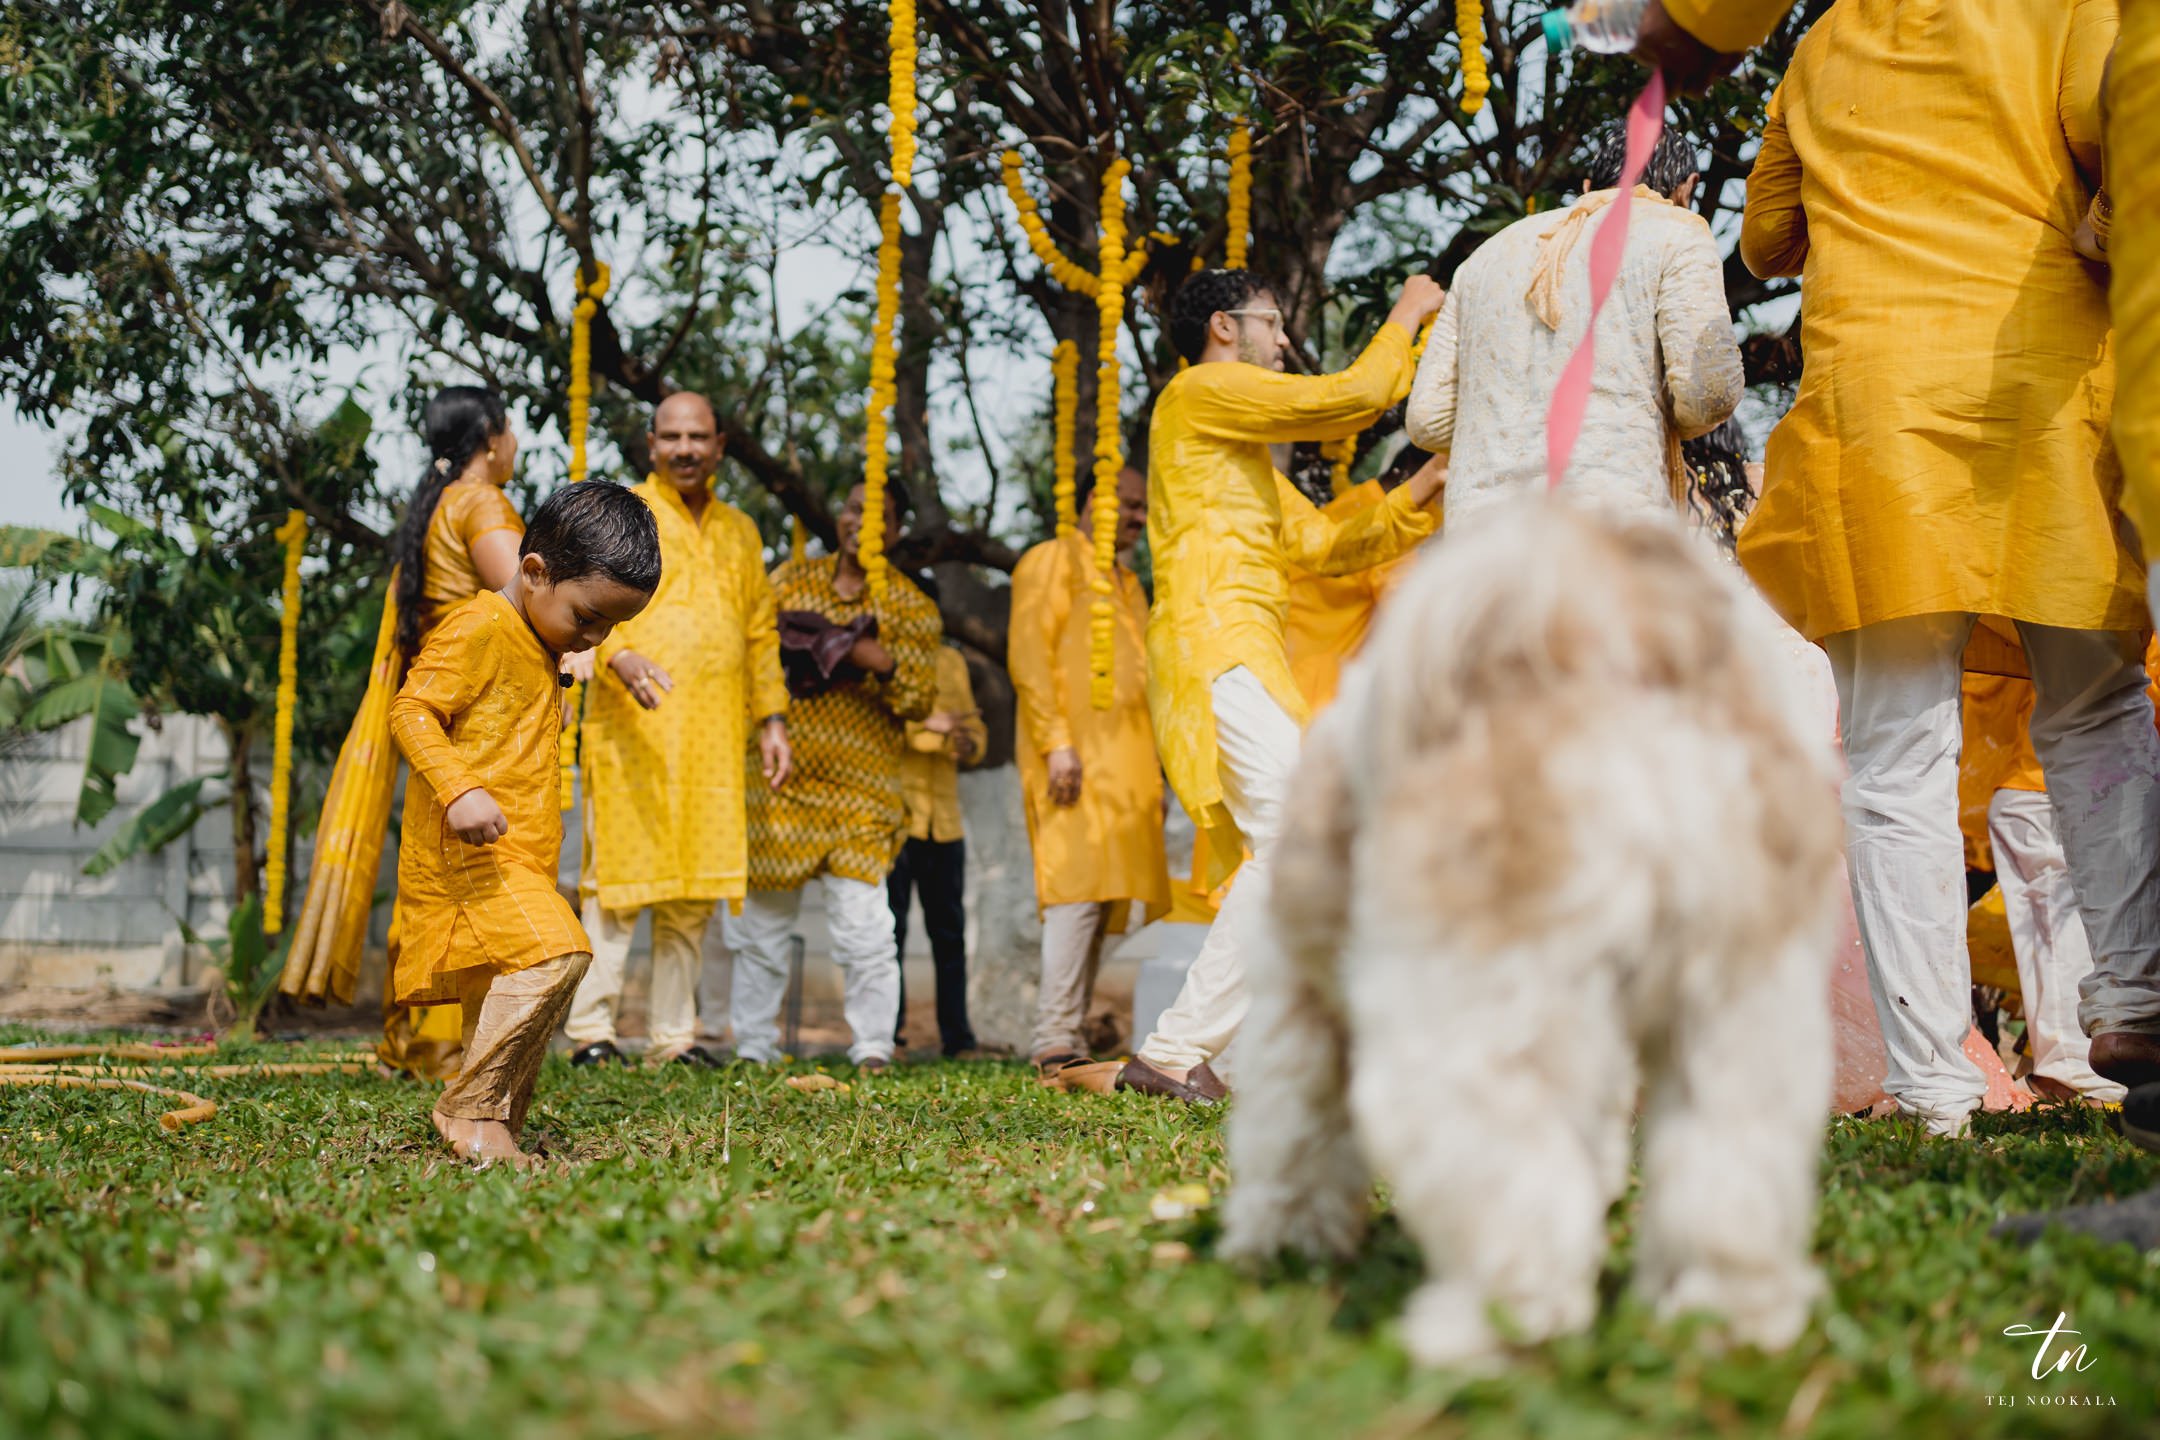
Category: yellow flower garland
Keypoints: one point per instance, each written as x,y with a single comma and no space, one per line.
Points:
1109,447
580,420
293,533
1065,376
901,94
798,539
1341,454
1238,220
870,547
1061,268
1470,31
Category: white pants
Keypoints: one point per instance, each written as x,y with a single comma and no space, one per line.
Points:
860,919
2092,727
1256,748
2047,936
1072,946
678,951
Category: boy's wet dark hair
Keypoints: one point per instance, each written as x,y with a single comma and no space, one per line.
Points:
1204,294
595,528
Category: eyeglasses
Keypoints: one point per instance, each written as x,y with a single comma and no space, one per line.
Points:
1273,317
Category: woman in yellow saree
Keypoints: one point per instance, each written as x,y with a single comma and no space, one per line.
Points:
459,537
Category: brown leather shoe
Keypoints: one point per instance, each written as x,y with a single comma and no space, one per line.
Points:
1201,1086
2128,1057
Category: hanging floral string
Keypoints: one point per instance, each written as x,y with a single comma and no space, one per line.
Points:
1340,454
589,294
293,534
1065,376
1470,31
1109,446
1238,219
900,96
877,465
1062,268
798,539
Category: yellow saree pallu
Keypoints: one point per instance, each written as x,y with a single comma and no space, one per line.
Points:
331,933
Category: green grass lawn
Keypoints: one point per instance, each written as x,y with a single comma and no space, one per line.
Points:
946,1250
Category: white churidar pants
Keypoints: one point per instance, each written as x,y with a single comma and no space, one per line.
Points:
2048,937
860,919
678,951
1256,748
2092,727
1072,946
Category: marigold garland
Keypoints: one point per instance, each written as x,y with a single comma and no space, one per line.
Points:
1470,31
293,534
1341,454
798,540
1238,220
877,465
1065,391
1054,260
900,99
588,302
1109,447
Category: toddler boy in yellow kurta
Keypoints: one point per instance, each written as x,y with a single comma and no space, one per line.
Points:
1097,841
665,786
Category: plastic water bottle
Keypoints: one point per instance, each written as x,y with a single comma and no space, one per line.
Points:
1605,26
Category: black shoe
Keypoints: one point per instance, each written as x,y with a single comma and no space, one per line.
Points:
2141,1117
699,1058
600,1052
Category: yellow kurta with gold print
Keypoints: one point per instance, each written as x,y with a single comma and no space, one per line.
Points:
929,771
1330,615
842,811
480,709
1924,166
2133,182
1108,845
1224,528
666,785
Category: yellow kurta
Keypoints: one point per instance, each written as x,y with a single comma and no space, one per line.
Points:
480,709
2133,176
1224,528
929,771
1728,25
1107,846
842,811
1924,166
666,785
1330,615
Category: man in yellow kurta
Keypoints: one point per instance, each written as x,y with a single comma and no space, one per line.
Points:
933,857
1330,615
1925,167
664,742
1092,785
1224,527
841,818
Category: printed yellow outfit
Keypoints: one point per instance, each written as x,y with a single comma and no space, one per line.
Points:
480,709
933,858
665,787
332,929
1330,615
840,818
1106,849
1924,166
2133,176
1224,527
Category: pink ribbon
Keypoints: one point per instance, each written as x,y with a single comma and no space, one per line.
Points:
1571,398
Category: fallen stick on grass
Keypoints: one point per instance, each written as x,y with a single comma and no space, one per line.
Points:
196,1110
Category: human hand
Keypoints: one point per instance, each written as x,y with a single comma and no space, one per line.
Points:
1420,300
646,681
578,665
1064,776
869,655
1428,481
941,722
962,744
1687,64
775,756
475,818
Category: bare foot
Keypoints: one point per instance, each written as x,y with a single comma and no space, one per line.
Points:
482,1143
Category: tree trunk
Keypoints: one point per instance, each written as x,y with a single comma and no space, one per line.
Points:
246,869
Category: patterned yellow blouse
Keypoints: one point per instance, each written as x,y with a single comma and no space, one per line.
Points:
667,784
842,811
480,709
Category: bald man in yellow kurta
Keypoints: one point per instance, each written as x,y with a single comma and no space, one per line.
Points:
1224,527
1925,166
665,742
1089,776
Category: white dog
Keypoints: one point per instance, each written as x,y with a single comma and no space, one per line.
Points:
1570,835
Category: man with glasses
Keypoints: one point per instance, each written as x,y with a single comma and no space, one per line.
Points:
1224,527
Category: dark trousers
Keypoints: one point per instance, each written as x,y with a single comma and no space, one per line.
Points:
935,870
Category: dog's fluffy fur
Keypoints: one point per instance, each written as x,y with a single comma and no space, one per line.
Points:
1568,837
